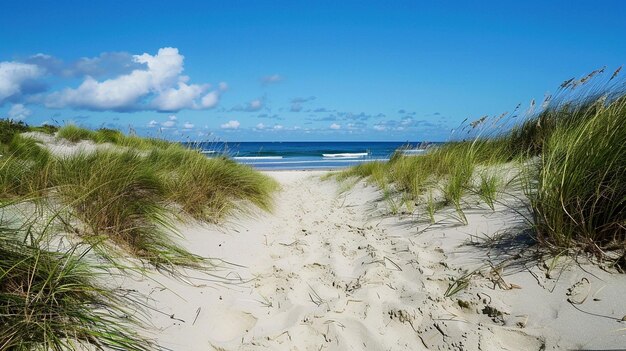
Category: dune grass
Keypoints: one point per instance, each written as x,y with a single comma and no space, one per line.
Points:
450,169
114,203
24,168
75,134
571,153
580,195
208,189
51,301
117,196
128,197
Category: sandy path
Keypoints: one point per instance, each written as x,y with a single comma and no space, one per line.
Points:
326,271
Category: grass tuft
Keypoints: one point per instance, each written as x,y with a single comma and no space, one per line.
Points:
49,300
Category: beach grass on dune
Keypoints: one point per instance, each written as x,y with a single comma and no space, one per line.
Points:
449,169
75,134
571,155
119,202
130,196
24,168
51,301
117,196
208,189
580,195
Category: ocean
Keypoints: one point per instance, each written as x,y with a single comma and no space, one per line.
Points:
307,155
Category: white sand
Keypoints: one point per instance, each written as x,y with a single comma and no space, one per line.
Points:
329,271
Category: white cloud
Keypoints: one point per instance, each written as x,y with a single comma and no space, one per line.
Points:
168,124
380,127
178,98
172,117
188,125
222,86
18,112
260,126
278,127
230,125
335,126
153,124
13,76
158,86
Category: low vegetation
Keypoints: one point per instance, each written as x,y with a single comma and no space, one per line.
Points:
75,134
51,300
109,203
570,156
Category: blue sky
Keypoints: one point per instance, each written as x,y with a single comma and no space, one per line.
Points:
295,70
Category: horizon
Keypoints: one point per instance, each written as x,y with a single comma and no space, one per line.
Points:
292,72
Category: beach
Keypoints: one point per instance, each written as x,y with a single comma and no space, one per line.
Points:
329,268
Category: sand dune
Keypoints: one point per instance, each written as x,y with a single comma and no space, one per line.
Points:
329,270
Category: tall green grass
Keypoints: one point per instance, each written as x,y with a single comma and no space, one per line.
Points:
580,193
573,161
74,134
24,168
120,201
51,301
117,196
208,189
128,197
449,169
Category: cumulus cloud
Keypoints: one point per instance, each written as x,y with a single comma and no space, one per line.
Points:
15,77
230,125
260,126
335,126
18,112
168,124
188,125
158,85
153,124
274,78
